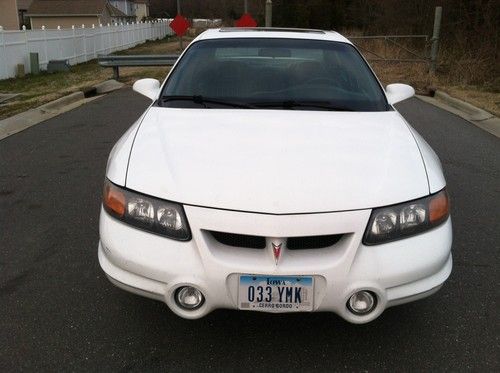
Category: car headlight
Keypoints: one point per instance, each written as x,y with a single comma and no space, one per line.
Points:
145,212
406,219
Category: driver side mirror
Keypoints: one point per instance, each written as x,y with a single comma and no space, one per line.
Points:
398,92
147,87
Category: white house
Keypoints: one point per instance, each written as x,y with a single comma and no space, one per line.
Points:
126,6
141,9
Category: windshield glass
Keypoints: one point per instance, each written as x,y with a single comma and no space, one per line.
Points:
273,73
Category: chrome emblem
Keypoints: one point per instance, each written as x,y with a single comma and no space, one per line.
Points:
277,252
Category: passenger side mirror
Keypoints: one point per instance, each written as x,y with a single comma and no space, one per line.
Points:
398,92
147,87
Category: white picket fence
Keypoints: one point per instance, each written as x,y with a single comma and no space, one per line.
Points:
77,44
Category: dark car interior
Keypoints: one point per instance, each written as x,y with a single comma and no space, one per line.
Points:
260,74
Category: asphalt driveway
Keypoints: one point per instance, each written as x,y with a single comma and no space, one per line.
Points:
59,312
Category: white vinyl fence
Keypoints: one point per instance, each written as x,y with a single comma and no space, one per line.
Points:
78,44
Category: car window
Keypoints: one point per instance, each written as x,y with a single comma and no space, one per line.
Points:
274,73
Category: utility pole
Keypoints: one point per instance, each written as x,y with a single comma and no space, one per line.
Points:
245,2
435,38
179,12
269,13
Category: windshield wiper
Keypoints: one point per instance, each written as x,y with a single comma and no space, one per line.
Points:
198,99
290,104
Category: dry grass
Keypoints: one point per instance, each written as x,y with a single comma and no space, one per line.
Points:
167,46
453,76
487,100
416,75
37,90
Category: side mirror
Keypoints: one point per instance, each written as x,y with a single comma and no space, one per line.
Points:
147,87
398,92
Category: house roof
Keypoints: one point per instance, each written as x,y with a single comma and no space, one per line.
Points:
72,8
67,7
23,4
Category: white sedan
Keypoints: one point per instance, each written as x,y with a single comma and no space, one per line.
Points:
272,173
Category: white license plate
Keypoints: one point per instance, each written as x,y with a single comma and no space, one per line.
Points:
276,293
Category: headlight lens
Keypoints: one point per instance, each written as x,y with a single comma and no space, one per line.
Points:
145,212
406,219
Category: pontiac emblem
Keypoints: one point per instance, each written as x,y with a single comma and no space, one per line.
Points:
276,252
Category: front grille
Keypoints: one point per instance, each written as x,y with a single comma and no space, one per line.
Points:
240,240
312,242
292,243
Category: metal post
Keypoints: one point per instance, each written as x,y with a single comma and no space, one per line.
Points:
245,3
269,13
435,38
179,12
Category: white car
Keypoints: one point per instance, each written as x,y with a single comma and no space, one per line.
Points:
272,173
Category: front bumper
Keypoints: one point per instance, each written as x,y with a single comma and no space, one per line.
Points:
154,266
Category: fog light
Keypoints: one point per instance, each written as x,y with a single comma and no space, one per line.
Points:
189,298
362,302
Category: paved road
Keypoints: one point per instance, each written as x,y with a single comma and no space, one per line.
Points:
58,311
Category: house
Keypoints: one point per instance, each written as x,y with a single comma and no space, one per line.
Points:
66,13
126,6
9,19
22,10
141,9
13,14
133,8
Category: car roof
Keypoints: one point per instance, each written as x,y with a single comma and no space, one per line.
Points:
271,32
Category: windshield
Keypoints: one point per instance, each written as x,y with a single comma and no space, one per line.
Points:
290,74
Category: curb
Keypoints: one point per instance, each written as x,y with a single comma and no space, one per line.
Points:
108,86
59,104
474,112
27,119
470,113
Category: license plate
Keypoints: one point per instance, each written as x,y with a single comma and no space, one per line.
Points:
276,293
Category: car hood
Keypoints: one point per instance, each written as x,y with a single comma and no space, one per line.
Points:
276,161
